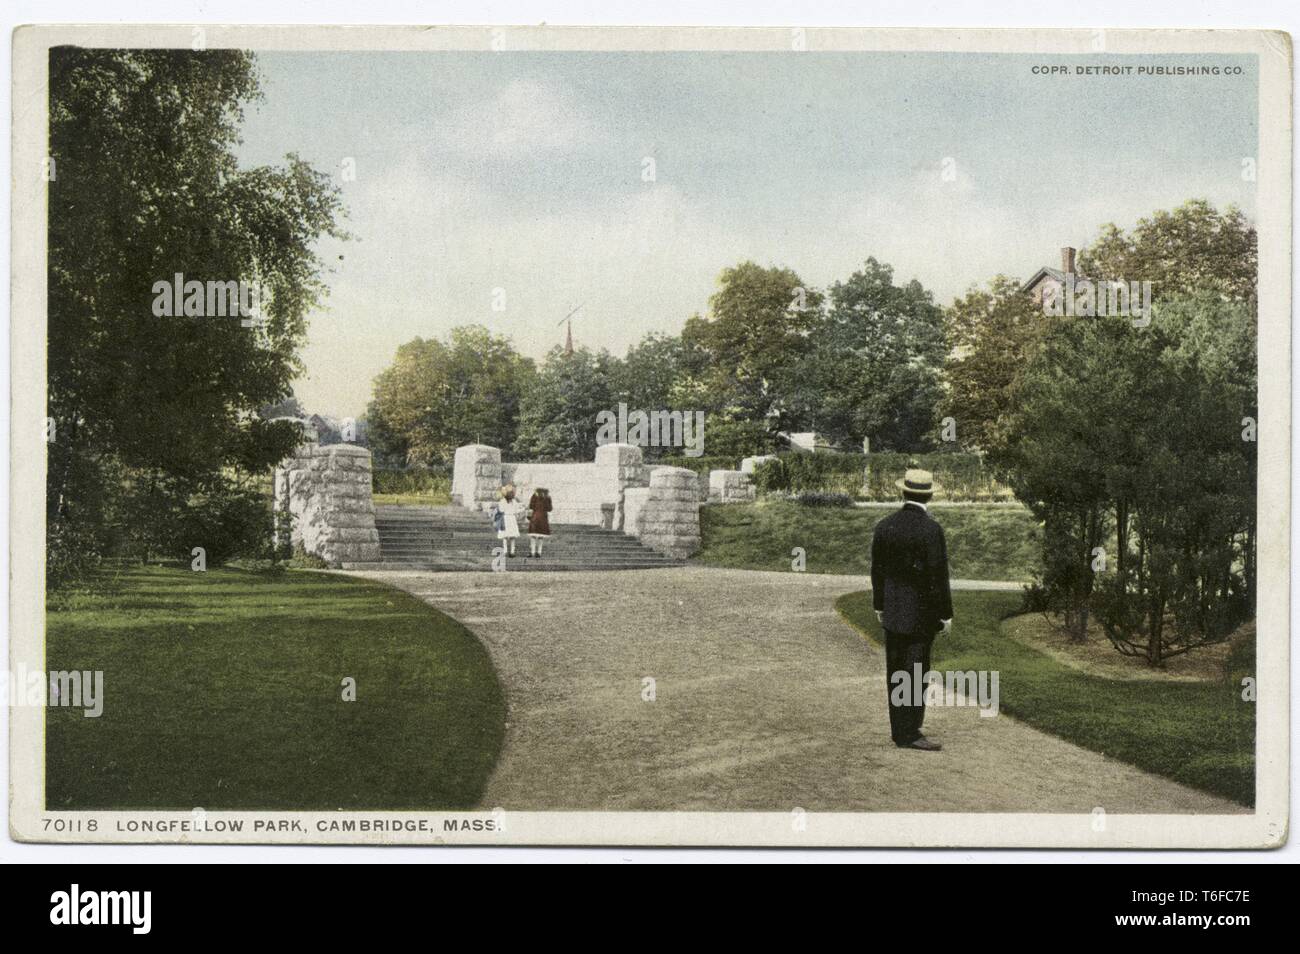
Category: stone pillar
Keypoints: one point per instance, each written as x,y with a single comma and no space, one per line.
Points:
730,486
625,461
624,465
476,476
751,464
668,520
327,493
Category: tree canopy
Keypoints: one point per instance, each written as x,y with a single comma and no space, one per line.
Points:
437,396
146,187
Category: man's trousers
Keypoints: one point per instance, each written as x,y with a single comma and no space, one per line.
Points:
903,652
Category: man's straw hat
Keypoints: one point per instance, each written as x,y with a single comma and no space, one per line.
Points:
917,481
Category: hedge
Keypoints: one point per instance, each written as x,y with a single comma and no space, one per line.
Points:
961,476
413,480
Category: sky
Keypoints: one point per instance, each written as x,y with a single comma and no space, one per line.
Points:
503,189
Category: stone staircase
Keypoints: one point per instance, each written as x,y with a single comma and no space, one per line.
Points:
456,538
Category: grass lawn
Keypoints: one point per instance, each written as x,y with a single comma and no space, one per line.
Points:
223,691
984,543
1199,734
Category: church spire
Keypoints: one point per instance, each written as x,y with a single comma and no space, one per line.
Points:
568,334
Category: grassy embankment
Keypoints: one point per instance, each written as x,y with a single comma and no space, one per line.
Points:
984,543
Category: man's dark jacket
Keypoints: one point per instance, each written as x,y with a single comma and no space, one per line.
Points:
909,572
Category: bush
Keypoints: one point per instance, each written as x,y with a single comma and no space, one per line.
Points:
302,560
818,499
227,523
413,480
961,476
1241,655
737,439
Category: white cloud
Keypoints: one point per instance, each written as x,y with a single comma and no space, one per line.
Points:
525,117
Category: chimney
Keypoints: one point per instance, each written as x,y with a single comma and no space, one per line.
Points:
1067,260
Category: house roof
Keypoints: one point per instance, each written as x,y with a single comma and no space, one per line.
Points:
1042,273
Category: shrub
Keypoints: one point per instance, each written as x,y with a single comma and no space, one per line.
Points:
413,480
961,476
303,560
1241,655
771,477
818,499
737,439
226,523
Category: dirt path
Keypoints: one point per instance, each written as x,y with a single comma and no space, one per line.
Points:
764,700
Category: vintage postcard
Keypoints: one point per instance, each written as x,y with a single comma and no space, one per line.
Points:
648,436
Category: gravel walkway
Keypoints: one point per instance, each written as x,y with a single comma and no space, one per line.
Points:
765,699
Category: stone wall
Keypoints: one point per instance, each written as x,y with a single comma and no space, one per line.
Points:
730,486
634,500
577,490
583,493
327,493
667,520
660,505
476,476
701,480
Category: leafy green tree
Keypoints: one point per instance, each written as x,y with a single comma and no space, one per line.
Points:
437,396
558,413
147,186
758,328
1137,433
992,333
1194,248
874,367
1069,429
289,407
647,378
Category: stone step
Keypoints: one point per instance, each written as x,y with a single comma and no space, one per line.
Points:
476,552
453,538
482,524
472,539
487,549
528,566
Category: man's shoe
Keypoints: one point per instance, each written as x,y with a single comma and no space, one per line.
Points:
924,744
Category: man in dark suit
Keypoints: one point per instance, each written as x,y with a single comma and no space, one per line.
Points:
910,593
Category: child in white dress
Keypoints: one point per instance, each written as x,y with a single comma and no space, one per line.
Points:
505,516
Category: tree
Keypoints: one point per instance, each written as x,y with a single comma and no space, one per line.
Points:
991,333
759,326
1068,428
557,416
1192,249
436,397
165,408
289,407
647,378
874,367
1137,433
